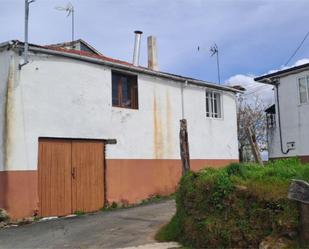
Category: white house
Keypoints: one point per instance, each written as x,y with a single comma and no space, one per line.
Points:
288,119
79,129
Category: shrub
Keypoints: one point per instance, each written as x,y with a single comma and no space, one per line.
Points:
237,206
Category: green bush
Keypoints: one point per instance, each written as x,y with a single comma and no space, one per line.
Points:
237,206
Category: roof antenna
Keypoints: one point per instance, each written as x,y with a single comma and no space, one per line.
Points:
26,45
70,10
215,50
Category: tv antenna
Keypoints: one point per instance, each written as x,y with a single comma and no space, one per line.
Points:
69,8
214,50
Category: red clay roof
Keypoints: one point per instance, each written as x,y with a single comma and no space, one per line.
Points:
88,54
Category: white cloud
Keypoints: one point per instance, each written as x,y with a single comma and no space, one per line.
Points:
297,63
255,89
301,62
241,79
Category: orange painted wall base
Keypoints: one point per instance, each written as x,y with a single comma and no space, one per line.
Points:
128,181
18,194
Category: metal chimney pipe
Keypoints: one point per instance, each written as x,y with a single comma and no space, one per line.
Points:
137,45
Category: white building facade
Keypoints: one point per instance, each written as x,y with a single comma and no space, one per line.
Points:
288,119
134,111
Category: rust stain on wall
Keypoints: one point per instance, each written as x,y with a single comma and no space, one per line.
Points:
169,125
8,116
158,145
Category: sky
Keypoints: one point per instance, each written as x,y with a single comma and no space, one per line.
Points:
253,36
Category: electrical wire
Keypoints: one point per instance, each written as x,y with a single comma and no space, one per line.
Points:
296,50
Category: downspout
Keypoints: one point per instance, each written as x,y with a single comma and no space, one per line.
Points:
26,44
279,119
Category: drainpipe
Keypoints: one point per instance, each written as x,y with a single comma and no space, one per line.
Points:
279,118
26,45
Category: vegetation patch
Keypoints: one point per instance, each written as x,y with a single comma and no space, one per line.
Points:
237,206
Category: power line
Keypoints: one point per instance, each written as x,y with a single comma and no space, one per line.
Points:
296,50
255,90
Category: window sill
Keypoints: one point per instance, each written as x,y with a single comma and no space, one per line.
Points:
219,119
125,108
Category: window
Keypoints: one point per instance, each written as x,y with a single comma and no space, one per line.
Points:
271,116
213,104
124,90
303,86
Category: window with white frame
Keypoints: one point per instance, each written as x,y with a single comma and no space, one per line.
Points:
303,87
213,104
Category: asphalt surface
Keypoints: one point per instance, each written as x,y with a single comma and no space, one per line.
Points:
109,229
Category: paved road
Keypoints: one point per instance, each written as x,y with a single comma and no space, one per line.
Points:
109,229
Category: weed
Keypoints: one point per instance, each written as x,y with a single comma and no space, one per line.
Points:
79,212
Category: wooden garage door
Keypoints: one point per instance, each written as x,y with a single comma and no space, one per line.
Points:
87,184
70,176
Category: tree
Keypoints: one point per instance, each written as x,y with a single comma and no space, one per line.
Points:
250,113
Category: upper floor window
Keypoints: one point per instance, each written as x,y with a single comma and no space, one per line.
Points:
271,116
213,104
303,86
124,90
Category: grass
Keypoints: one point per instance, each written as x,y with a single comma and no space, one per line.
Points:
236,206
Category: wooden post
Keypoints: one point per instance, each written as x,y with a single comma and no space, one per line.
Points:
254,146
184,146
299,191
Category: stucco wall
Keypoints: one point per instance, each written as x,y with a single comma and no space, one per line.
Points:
5,57
294,119
60,97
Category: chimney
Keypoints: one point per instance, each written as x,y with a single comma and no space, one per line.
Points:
152,53
137,46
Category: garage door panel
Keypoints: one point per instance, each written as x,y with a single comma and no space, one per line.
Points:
54,177
87,162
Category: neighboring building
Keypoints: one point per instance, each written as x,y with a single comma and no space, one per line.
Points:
79,45
288,119
79,129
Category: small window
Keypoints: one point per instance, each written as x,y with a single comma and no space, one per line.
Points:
271,120
124,90
213,104
303,85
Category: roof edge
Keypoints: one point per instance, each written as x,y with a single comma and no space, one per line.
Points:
125,66
268,78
